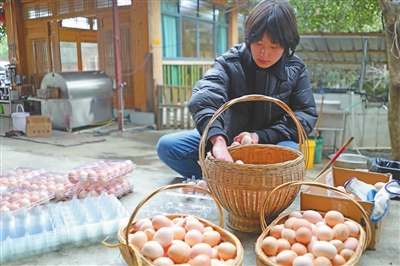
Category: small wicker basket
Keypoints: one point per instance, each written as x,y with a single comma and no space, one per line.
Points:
363,240
240,188
132,254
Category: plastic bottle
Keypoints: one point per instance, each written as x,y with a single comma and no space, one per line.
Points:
364,191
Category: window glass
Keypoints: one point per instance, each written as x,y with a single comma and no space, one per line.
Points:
170,36
206,40
188,7
241,22
222,40
69,56
221,15
206,11
76,23
189,38
90,57
170,5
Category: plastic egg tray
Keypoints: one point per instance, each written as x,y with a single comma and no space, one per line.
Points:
56,184
119,187
31,231
93,219
103,170
17,199
16,176
51,227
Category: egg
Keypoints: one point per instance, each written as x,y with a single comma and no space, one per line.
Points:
179,252
226,251
276,230
200,249
326,249
160,221
211,238
164,236
350,243
346,253
201,260
312,216
270,246
301,223
379,185
246,140
152,250
163,261
302,261
193,237
341,231
296,214
239,162
332,218
179,232
150,233
139,223
138,239
322,261
286,257
289,222
299,249
353,228
338,260
303,235
283,244
338,244
193,223
324,233
289,235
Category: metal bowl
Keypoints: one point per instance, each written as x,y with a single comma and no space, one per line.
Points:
351,161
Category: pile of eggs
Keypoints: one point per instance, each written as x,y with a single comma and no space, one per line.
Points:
377,185
54,183
22,198
100,171
181,241
15,177
118,186
308,239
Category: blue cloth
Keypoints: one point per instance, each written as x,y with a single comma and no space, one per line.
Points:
180,152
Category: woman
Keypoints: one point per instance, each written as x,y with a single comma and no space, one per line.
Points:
265,64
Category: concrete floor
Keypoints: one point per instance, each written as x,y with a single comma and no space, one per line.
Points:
150,174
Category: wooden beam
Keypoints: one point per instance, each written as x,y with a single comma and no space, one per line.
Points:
140,49
233,28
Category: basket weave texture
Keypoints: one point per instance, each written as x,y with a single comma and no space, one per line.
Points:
363,239
240,188
132,254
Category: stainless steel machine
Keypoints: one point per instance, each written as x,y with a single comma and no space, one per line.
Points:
85,98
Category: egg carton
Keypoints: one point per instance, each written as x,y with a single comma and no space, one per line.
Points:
16,176
30,232
118,187
102,170
19,199
56,184
92,219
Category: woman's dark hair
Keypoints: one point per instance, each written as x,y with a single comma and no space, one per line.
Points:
275,19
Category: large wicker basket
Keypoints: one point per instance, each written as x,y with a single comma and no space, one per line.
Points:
240,188
132,254
363,240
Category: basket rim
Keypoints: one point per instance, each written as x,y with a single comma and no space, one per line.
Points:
299,158
352,261
224,233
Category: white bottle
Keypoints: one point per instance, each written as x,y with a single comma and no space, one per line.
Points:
360,189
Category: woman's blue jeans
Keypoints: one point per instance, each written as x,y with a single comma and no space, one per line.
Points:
180,151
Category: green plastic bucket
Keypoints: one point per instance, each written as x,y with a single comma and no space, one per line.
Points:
1,109
319,142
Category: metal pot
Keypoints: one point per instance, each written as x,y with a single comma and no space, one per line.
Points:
350,161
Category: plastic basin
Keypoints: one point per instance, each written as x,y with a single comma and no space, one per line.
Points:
351,161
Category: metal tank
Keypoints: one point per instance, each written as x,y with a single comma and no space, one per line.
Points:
85,98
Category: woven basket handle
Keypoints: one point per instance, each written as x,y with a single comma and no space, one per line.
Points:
252,97
267,204
170,187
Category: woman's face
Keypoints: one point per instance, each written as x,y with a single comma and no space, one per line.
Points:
265,53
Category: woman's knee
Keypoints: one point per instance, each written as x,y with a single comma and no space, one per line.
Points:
163,146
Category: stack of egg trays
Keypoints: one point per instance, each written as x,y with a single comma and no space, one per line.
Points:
91,220
16,176
30,231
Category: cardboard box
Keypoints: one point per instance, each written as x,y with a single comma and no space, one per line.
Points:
322,200
47,93
38,126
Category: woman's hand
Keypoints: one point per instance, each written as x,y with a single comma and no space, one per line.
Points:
219,149
254,137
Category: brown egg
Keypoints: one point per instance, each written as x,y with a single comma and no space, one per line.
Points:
289,235
276,230
138,239
312,216
270,246
211,238
159,221
354,229
164,236
179,232
322,261
338,244
333,218
325,249
341,232
299,249
193,237
226,251
286,257
324,233
283,244
350,243
289,222
201,260
163,261
346,253
301,223
152,250
303,235
179,252
296,214
338,260
303,261
200,249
